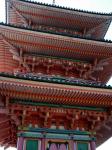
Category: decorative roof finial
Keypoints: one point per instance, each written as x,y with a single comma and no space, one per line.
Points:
53,2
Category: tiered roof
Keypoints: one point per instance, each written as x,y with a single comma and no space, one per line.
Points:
23,43
60,93
94,24
39,93
35,43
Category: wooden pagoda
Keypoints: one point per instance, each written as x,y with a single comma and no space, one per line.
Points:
54,66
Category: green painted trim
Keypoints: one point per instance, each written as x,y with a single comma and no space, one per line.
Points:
30,135
56,136
26,135
55,80
56,131
31,103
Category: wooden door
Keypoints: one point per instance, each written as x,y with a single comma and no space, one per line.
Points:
53,146
31,145
62,147
82,146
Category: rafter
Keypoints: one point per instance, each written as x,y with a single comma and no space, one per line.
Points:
7,143
107,127
96,28
1,122
25,21
5,130
12,49
2,142
97,66
16,55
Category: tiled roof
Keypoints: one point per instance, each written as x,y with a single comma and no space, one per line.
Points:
50,32
57,80
66,8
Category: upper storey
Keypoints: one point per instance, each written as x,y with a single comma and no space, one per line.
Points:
32,51
57,19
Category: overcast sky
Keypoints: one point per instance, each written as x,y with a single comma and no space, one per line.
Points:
91,5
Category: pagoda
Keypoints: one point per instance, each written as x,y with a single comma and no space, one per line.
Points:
54,66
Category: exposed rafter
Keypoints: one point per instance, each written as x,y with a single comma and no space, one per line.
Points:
90,20
97,29
25,21
17,54
12,49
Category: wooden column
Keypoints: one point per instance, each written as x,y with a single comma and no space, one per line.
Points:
72,145
20,143
93,145
43,144
75,145
89,147
24,144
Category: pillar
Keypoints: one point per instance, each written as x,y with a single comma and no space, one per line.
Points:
89,147
43,144
93,145
73,145
20,143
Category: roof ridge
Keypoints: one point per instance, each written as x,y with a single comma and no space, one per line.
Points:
61,34
67,8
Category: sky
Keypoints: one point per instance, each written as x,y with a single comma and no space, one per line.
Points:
90,5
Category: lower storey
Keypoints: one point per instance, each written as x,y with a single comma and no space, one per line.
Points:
52,139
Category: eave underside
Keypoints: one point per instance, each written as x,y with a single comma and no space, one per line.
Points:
40,43
47,97
95,101
94,24
55,93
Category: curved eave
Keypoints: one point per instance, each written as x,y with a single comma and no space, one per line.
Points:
68,18
101,40
28,2
30,40
7,132
56,80
44,43
55,93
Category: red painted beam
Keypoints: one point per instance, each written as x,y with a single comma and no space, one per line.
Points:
4,111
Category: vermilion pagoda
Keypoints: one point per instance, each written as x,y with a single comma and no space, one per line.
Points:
54,65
